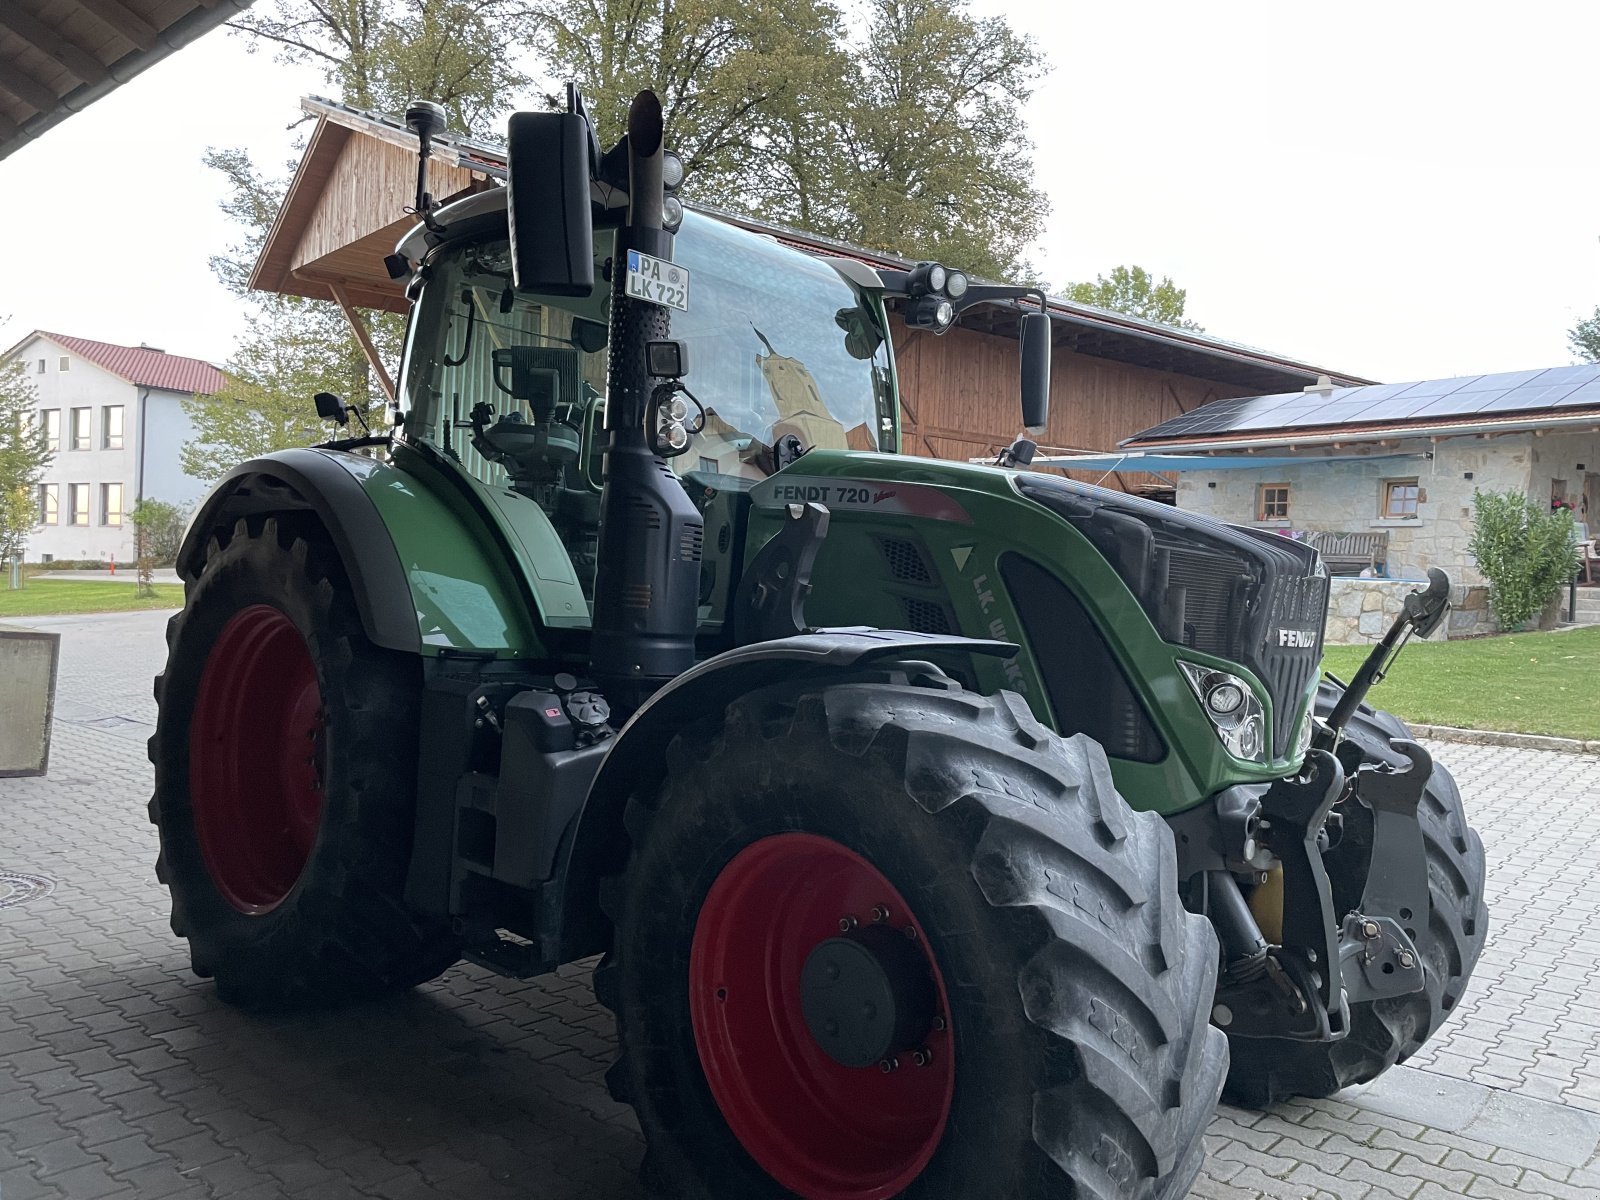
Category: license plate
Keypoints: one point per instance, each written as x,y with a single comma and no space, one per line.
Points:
658,281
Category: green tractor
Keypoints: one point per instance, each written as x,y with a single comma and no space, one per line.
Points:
940,828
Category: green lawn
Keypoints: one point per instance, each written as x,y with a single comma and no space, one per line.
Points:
48,597
1522,683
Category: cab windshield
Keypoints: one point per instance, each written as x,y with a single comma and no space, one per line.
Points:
778,345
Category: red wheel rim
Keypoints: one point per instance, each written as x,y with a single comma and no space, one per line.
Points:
256,748
821,1129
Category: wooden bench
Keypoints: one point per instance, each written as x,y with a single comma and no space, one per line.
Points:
1352,553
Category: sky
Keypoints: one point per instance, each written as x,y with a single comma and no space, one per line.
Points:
1389,190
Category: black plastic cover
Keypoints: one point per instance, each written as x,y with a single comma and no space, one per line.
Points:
1254,598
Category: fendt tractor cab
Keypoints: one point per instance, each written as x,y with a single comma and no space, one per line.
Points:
941,827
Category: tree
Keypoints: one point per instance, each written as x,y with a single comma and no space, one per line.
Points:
1132,290
381,54
160,525
1526,552
902,136
23,458
912,142
723,70
289,353
1584,337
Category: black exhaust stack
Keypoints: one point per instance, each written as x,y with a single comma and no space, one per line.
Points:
648,577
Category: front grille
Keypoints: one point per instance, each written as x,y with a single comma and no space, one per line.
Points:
1240,594
1088,689
905,560
926,616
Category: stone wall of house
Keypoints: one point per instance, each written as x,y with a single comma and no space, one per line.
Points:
1570,463
1360,611
1345,495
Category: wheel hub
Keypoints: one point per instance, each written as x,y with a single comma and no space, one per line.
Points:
867,996
257,757
808,974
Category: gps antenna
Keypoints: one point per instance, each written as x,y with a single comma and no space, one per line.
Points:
427,120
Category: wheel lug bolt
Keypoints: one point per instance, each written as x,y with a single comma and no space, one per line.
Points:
940,1023
1369,930
880,913
846,924
922,1057
911,932
1406,960
889,1065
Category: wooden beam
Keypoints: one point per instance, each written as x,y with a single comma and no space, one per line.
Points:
49,42
26,88
115,15
359,328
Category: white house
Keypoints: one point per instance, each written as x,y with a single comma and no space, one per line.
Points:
114,416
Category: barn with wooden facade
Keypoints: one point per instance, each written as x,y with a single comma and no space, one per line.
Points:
1113,374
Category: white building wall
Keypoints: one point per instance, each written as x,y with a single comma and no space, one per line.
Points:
1346,496
166,428
84,385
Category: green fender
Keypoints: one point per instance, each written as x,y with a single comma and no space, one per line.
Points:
439,563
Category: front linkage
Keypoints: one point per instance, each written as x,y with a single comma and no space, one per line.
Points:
1293,963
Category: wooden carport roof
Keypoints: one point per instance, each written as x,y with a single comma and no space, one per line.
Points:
59,56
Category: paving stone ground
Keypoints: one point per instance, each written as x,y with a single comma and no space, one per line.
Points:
122,1076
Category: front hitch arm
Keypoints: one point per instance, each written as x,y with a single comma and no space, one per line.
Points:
1420,616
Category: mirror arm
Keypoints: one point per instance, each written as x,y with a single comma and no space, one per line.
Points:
996,293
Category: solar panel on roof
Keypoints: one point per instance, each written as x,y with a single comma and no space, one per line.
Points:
1583,396
1432,387
1428,399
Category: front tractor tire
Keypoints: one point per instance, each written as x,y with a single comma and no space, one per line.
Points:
1450,937
876,938
285,773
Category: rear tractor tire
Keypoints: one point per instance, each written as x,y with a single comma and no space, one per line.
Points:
285,764
878,939
1450,936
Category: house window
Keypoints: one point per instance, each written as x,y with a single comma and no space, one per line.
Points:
65,363
52,428
111,504
111,426
80,429
77,504
49,504
1400,498
40,369
1272,502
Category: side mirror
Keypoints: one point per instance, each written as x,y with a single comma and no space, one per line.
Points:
330,408
1035,370
547,197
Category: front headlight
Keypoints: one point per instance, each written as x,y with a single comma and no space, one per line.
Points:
1233,710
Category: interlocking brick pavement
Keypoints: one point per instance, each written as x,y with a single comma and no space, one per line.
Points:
122,1076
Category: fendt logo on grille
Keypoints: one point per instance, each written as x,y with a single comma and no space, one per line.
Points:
1297,639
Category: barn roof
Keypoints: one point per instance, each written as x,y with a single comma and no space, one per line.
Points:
142,366
1504,402
344,213
59,56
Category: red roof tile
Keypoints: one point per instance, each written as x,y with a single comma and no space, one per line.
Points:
146,368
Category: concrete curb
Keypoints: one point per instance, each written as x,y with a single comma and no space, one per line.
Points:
1491,737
